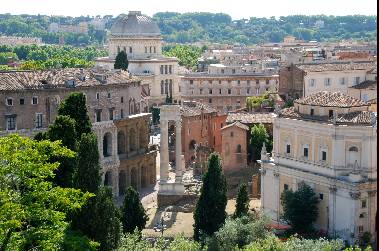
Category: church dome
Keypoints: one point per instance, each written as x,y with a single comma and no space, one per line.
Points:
135,25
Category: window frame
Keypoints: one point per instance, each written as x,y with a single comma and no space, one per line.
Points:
34,98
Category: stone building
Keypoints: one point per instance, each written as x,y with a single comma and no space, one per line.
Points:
29,101
226,91
139,36
328,141
304,79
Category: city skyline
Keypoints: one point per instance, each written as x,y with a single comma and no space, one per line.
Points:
267,9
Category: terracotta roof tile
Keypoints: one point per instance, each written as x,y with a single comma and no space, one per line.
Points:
337,66
250,118
330,99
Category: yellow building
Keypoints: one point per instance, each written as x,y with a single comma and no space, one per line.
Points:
328,141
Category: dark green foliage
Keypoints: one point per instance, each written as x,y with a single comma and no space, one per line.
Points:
88,176
133,214
187,54
121,61
242,203
76,241
259,136
99,219
155,114
210,212
300,208
74,106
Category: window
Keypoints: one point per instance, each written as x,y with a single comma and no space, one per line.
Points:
9,101
220,91
11,123
239,149
161,69
210,91
361,216
323,155
328,82
98,115
285,187
229,91
150,49
342,81
210,101
364,203
222,71
130,50
38,120
122,113
34,100
97,96
170,69
321,196
247,90
248,82
111,113
356,80
233,71
22,101
191,82
238,82
109,95
145,49
305,152
312,111
360,229
312,82
331,113
231,134
288,148
122,99
267,81
165,69
201,91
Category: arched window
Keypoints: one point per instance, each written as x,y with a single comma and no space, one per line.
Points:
192,145
353,149
108,179
170,87
239,149
132,140
107,144
120,142
166,87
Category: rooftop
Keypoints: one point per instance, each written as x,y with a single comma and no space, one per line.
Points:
238,124
250,118
61,78
331,99
367,84
337,66
193,108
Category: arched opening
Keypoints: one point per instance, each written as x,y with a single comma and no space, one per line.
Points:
144,177
239,149
121,142
142,136
107,145
132,140
122,182
354,157
134,178
108,179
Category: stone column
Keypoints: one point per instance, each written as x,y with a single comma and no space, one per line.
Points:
178,151
163,151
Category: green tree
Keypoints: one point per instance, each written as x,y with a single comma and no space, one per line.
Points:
210,212
242,203
75,107
88,177
32,210
99,219
300,208
133,214
121,61
259,136
63,129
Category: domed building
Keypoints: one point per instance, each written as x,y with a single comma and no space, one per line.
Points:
139,36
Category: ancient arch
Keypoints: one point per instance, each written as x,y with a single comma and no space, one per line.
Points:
132,140
142,135
122,182
134,178
121,142
144,176
107,144
108,179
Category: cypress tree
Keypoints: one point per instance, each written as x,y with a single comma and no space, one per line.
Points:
133,213
75,107
242,204
121,61
88,177
210,212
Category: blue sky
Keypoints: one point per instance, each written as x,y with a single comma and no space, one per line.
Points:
236,8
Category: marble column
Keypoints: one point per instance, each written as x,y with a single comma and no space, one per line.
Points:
163,151
178,151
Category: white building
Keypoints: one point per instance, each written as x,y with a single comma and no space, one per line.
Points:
328,141
139,36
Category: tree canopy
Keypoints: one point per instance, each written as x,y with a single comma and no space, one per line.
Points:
121,61
133,214
259,136
33,210
242,203
210,212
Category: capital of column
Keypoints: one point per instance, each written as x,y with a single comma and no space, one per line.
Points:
355,195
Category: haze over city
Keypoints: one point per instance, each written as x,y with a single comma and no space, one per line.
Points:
237,9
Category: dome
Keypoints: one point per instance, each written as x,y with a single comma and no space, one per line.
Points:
135,25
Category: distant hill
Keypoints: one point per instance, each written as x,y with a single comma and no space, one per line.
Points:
213,27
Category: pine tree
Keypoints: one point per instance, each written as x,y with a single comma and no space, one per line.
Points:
121,61
210,212
75,107
133,214
99,219
242,204
88,177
